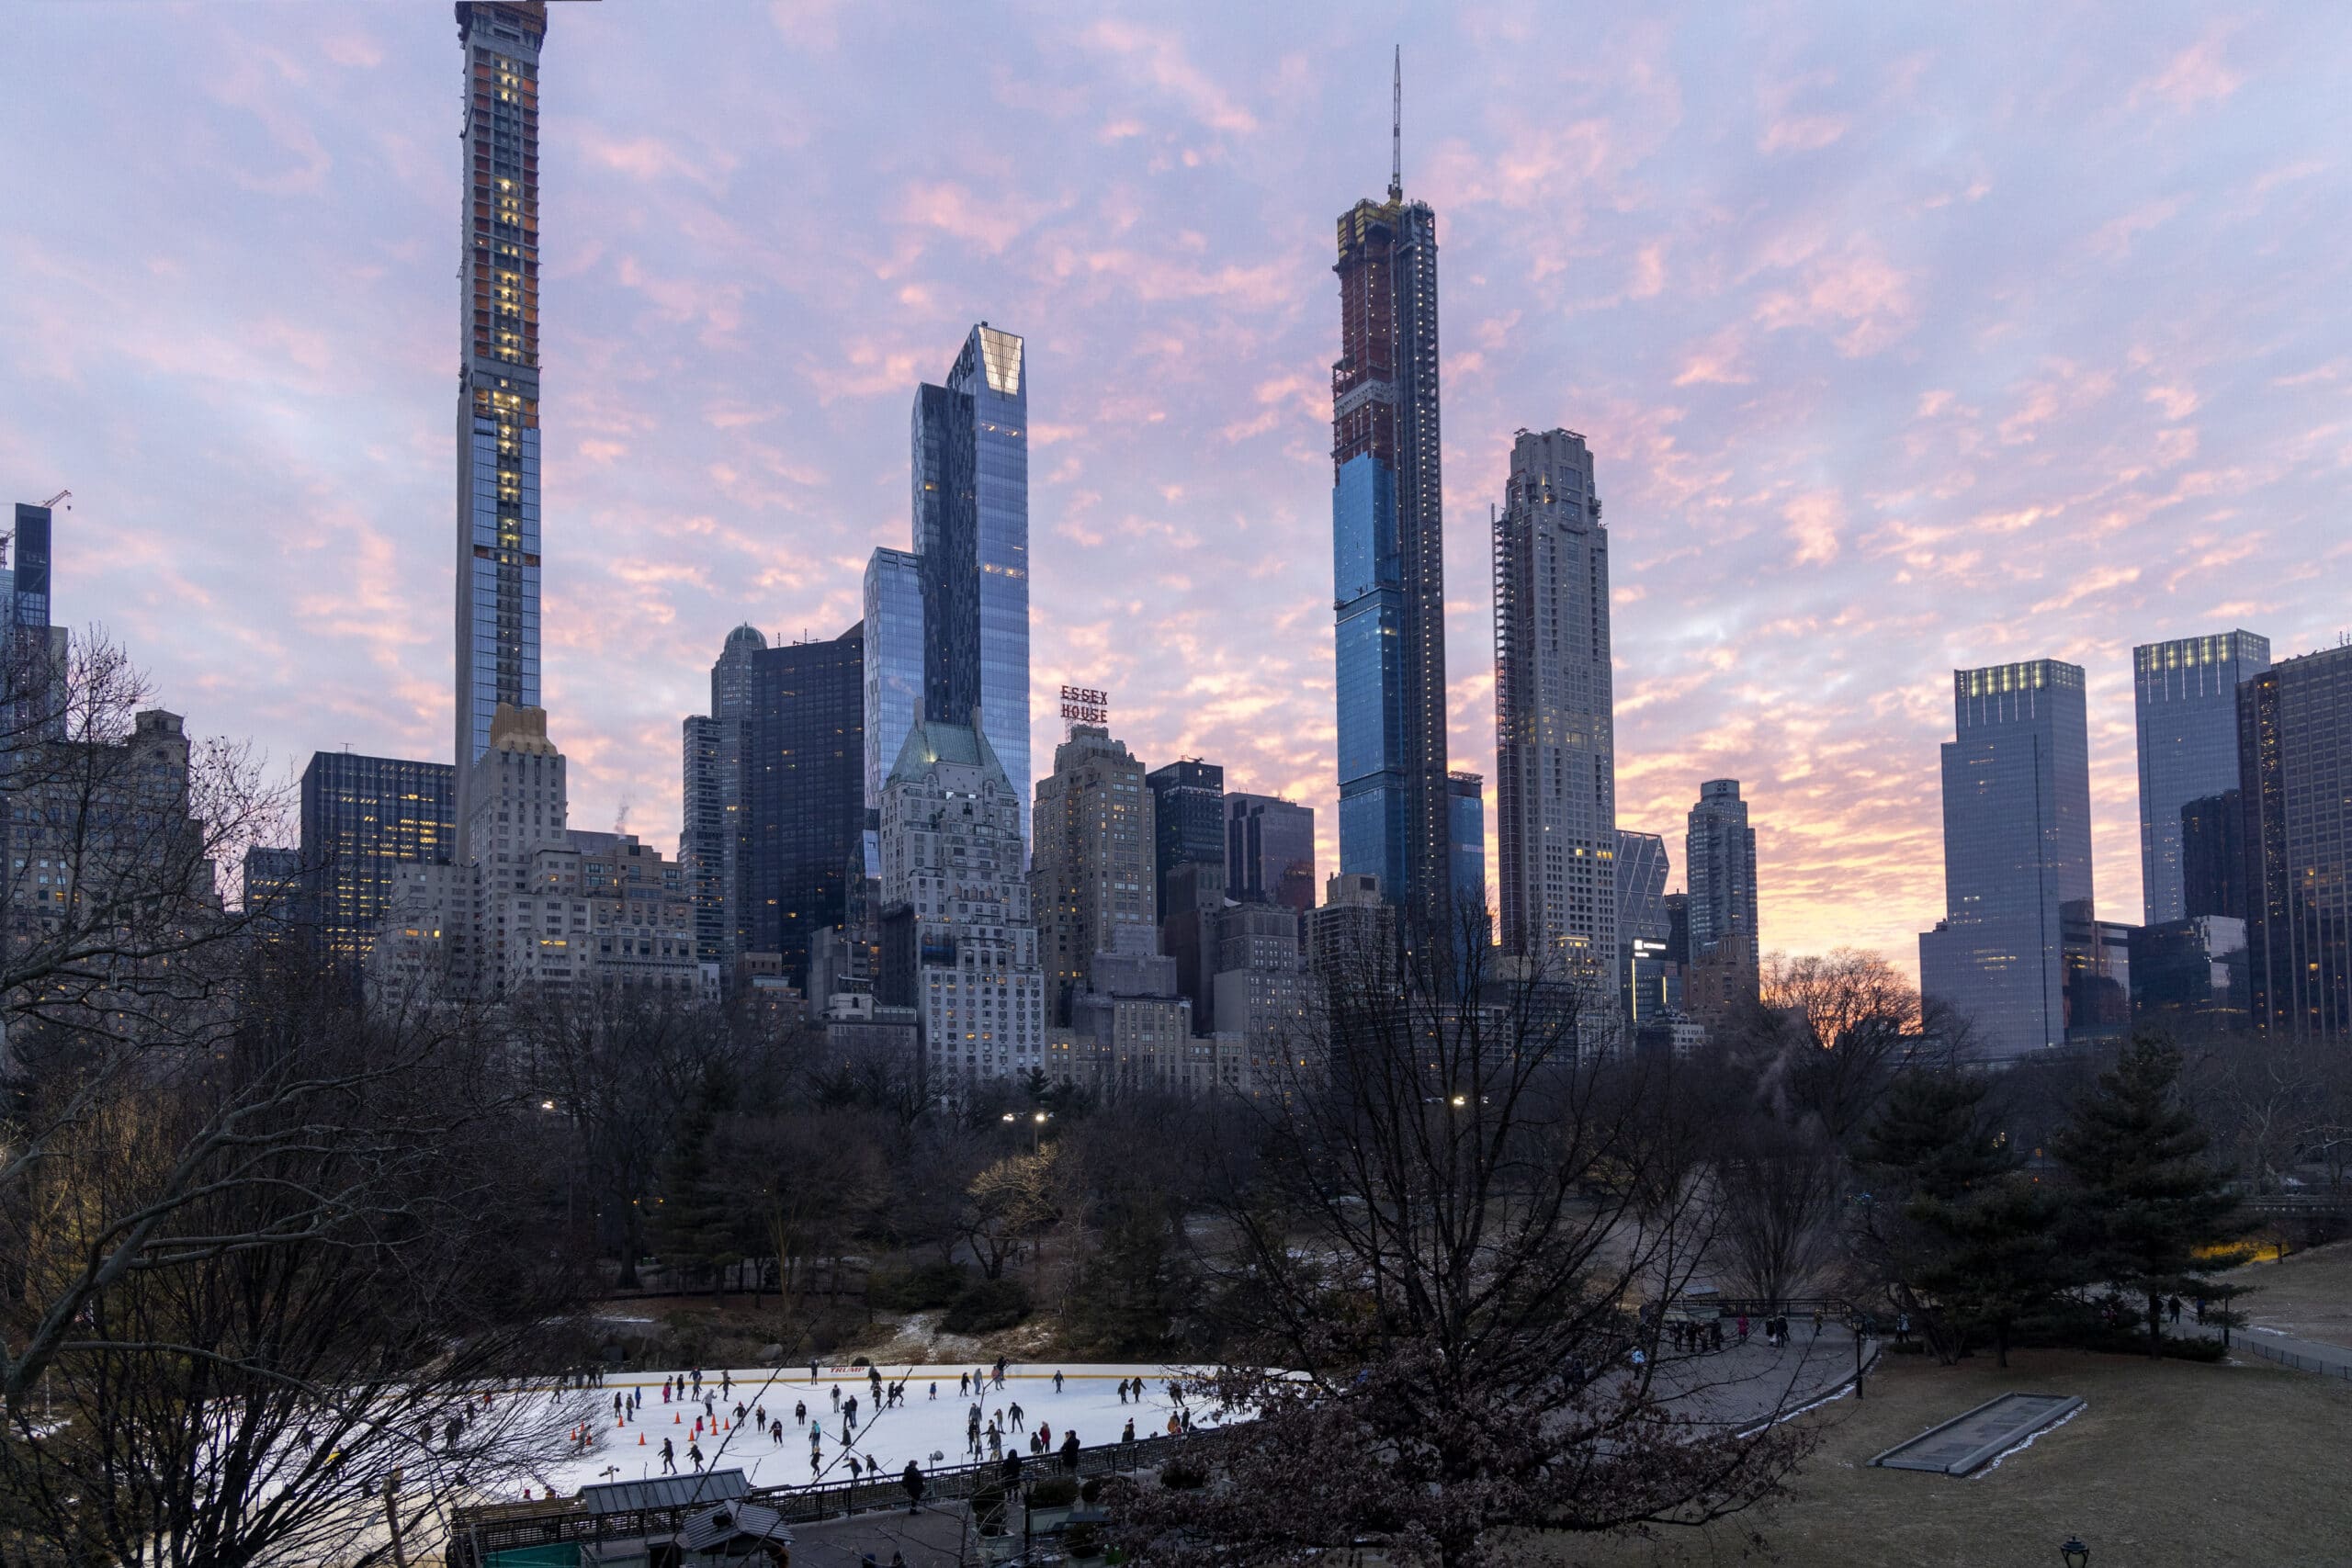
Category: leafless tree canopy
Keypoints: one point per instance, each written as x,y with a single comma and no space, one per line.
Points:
1445,1245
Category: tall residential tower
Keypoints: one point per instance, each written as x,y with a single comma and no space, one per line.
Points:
498,379
1388,530
971,444
1555,769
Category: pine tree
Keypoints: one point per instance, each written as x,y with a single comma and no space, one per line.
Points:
1967,1238
2149,1203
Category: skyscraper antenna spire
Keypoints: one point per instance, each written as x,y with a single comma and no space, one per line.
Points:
1396,130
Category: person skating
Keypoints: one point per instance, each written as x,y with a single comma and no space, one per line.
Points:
694,1452
669,1458
1057,1376
800,1412
855,1471
837,1397
1016,1415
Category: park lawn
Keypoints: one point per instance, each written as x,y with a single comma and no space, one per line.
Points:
2308,1295
2172,1462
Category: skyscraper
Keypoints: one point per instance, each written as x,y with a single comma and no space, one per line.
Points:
1466,821
2295,780
1268,851
804,793
894,661
1092,876
1556,759
2185,696
1187,819
32,651
497,377
2017,848
2212,856
1643,928
1719,869
971,517
711,819
1389,536
363,818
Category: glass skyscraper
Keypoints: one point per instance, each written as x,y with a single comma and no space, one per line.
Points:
894,656
364,818
2017,848
1465,817
1387,546
1555,751
970,440
1187,820
2185,696
1270,851
804,793
498,380
2295,771
711,818
1643,928
1719,869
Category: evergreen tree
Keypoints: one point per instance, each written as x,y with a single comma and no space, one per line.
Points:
2150,1204
1964,1238
1125,1305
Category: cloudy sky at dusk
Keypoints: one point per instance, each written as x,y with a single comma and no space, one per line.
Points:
1905,338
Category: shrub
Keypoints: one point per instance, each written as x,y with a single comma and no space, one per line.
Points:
1053,1492
1083,1541
1177,1475
1091,1490
985,1306
920,1288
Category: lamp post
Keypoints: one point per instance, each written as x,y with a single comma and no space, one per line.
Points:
2076,1554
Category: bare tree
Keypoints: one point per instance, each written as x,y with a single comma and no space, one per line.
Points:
1460,1221
266,1278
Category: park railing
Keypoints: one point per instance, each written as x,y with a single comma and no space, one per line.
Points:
476,1536
2294,1359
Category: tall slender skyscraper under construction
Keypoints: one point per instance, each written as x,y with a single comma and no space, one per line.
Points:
497,377
1387,531
1555,749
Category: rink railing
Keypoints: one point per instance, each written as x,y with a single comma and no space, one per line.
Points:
477,1534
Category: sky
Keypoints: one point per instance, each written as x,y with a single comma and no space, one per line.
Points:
1906,338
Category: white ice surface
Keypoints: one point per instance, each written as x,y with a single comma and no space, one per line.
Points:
1087,1403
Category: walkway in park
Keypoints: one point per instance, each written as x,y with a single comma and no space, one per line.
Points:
2303,1355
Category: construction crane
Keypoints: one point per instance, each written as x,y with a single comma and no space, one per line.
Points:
9,535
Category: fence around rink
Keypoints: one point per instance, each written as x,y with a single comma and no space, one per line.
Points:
478,1535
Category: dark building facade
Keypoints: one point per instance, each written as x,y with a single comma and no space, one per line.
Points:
2191,970
2295,787
2212,856
1188,819
803,795
1466,821
1387,526
498,376
1269,852
363,818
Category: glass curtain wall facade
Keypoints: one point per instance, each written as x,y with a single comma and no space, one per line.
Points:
894,661
363,818
498,381
804,795
1466,830
2016,849
1187,818
1270,851
971,474
33,649
1642,925
2295,773
1556,768
1388,536
2185,698
1719,869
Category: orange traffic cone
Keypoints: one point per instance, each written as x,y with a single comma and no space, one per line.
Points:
641,1439
676,1420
